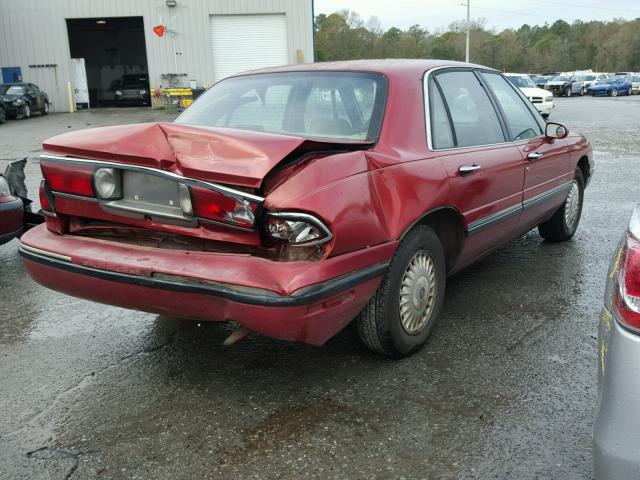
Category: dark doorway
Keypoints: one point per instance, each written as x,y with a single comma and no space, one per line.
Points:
114,49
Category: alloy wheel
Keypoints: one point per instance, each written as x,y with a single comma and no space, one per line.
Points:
418,292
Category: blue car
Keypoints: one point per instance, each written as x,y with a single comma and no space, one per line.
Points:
611,86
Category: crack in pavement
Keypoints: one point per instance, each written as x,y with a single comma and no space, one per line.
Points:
33,421
65,454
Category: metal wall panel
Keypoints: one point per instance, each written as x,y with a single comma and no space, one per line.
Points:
25,42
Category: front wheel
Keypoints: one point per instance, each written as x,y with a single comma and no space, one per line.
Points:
613,93
564,222
399,317
26,111
3,115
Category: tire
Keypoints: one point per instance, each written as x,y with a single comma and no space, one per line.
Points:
613,92
45,109
545,116
3,115
564,222
26,112
419,265
567,92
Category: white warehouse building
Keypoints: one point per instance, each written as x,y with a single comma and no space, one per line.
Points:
201,42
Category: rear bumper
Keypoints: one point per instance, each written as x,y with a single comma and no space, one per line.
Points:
616,432
300,301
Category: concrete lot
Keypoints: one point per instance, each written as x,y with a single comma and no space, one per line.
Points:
504,389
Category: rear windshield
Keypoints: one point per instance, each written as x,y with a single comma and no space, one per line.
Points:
134,82
334,105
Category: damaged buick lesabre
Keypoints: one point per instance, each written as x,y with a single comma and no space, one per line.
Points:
294,200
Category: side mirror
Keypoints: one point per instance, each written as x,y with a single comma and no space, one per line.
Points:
555,130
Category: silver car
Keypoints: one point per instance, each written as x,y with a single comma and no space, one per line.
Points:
616,431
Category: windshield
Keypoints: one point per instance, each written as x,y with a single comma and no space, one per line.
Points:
15,90
588,78
561,78
337,105
134,82
521,82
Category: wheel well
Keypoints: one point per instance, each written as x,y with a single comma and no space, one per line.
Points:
448,225
583,165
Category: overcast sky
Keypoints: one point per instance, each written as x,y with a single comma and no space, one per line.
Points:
501,14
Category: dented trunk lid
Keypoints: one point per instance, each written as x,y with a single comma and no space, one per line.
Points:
223,155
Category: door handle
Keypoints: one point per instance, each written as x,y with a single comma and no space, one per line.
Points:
466,169
534,156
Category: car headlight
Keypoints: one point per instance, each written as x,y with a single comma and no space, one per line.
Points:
299,229
118,92
107,183
17,102
143,92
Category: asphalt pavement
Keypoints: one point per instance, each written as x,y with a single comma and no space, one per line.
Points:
504,389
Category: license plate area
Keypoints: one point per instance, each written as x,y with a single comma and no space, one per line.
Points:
148,195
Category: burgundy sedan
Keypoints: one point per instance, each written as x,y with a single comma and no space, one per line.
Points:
294,200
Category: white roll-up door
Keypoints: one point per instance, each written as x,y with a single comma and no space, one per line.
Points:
244,42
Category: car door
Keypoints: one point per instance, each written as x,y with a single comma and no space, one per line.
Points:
485,171
547,172
576,84
32,97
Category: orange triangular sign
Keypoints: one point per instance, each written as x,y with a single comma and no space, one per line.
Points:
159,30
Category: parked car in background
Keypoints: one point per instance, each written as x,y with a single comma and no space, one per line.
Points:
133,90
566,85
294,199
15,207
20,100
589,79
616,440
541,80
635,84
612,87
541,99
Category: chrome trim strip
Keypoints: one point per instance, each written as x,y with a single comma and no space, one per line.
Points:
43,253
310,219
541,197
75,197
156,171
485,222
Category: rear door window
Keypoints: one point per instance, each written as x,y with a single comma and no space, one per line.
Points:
474,118
520,121
441,132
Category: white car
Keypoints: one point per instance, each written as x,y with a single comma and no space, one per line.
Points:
541,99
590,78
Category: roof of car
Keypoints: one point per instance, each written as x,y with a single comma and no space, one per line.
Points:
388,67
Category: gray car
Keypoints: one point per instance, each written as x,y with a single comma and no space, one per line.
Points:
616,434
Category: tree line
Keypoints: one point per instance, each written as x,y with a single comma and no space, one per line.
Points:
602,46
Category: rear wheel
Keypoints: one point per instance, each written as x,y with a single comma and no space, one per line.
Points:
564,223
398,319
45,109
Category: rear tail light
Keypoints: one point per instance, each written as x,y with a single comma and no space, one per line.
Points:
216,206
298,229
75,180
46,200
626,295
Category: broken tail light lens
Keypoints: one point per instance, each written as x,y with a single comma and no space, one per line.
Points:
76,179
108,183
46,200
219,207
626,299
299,229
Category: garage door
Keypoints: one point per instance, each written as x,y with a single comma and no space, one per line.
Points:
243,42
